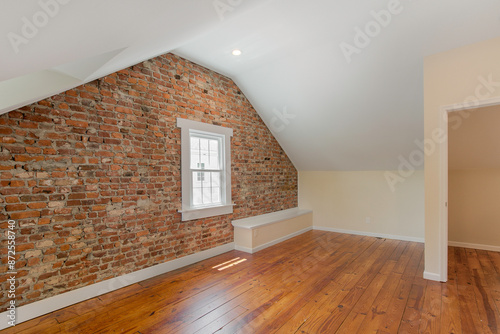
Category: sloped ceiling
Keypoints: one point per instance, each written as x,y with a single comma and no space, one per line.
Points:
338,82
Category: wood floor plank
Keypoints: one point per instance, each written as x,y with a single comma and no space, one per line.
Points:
318,282
366,308
491,275
410,323
495,258
222,321
488,314
378,310
204,299
487,309
390,323
405,258
431,312
336,290
79,309
327,271
469,314
496,297
311,286
37,325
450,316
419,274
412,315
334,315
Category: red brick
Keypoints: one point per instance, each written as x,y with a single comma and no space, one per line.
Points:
25,214
33,198
55,135
17,183
76,196
44,142
12,199
109,128
23,247
64,247
15,207
28,125
78,160
79,124
33,150
8,140
38,118
24,158
33,261
99,207
38,205
43,221
49,151
16,149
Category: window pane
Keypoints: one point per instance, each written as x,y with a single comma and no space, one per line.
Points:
205,153
214,154
195,162
216,195
195,152
215,179
197,188
203,144
206,188
207,196
195,143
215,187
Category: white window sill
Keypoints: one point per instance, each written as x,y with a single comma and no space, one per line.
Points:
197,213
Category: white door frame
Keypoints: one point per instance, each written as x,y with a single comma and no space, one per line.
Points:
443,178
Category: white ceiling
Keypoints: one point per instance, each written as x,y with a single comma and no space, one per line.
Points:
474,139
326,112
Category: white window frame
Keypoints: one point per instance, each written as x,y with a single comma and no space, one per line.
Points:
189,211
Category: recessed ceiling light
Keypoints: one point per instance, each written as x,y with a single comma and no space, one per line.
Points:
236,52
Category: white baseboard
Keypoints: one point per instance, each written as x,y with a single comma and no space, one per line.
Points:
475,246
243,249
272,243
36,309
370,234
433,276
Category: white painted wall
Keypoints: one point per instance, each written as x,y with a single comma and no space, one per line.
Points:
343,201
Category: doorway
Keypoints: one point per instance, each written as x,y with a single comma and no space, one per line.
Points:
464,112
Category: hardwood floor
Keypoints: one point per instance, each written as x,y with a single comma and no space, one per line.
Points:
319,282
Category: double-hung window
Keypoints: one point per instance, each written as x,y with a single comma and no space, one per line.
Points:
205,169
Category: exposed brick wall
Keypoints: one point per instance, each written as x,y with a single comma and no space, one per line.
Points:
92,175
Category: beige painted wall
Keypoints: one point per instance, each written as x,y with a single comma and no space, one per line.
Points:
474,213
474,142
343,200
449,78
